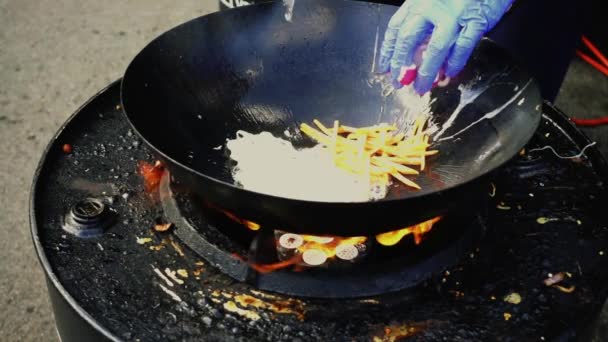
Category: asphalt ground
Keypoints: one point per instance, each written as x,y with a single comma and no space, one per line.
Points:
54,55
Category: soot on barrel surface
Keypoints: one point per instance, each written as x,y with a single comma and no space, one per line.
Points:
115,278
278,74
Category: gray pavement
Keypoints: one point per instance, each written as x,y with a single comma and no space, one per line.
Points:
54,55
584,94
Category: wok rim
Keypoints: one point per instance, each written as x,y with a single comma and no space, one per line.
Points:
533,83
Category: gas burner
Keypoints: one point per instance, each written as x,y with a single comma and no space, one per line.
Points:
332,267
128,259
88,218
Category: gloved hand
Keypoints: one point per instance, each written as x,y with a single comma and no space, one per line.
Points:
454,28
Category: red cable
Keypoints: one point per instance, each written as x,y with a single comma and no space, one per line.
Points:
595,50
599,67
590,122
603,68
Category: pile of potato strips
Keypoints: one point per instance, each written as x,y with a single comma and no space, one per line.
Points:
378,152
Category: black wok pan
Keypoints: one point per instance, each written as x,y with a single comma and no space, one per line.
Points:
197,84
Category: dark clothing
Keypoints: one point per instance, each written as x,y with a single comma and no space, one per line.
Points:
543,35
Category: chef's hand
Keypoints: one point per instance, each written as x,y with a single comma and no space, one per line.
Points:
454,28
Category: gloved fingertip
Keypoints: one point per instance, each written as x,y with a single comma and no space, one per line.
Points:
396,84
380,70
444,82
383,65
451,73
423,85
452,70
421,92
395,74
408,75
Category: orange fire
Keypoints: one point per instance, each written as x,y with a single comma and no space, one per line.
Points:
385,239
152,174
328,245
322,248
419,230
267,268
249,224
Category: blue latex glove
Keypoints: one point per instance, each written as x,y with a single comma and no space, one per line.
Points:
454,28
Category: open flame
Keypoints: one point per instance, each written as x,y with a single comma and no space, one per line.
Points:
249,224
298,249
315,250
152,174
302,250
310,251
385,239
419,230
260,268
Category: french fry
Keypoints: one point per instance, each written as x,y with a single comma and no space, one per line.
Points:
402,168
406,161
405,181
369,129
334,137
376,170
322,127
418,153
392,166
423,155
397,138
376,152
314,134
